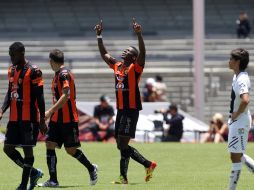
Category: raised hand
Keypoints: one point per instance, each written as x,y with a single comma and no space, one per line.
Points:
136,26
98,28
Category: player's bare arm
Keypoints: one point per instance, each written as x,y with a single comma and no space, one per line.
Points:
244,102
41,104
59,104
104,54
6,104
142,50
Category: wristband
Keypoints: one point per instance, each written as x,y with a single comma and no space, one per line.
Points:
99,36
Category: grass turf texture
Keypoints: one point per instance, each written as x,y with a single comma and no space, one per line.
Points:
180,167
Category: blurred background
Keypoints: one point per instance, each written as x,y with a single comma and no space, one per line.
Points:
168,33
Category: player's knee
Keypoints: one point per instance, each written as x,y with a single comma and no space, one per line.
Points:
235,157
123,146
71,151
51,145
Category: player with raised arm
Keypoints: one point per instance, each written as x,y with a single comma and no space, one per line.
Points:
127,76
240,117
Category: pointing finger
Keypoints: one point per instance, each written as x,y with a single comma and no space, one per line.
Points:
134,20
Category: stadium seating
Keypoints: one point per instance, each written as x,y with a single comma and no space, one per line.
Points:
167,24
64,18
172,59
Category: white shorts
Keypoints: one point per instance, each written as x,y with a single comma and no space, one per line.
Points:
238,133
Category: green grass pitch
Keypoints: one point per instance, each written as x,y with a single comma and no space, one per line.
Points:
180,167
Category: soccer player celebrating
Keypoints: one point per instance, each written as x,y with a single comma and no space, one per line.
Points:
240,118
127,75
63,125
27,111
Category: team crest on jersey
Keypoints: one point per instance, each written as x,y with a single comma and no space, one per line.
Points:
119,85
14,95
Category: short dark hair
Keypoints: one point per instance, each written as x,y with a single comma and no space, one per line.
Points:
135,51
173,107
242,55
17,47
104,98
57,56
158,78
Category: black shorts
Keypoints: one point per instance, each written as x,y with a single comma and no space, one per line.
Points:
21,133
64,133
126,122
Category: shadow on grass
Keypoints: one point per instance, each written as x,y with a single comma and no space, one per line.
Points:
125,184
65,186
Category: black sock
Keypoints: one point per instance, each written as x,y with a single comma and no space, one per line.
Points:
28,164
124,162
51,162
83,160
135,155
16,157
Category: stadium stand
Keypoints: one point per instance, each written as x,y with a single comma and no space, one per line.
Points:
47,24
172,59
64,18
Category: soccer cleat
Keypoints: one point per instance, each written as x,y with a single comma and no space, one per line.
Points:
122,180
149,171
34,179
49,184
93,175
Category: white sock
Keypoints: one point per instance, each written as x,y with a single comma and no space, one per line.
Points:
235,174
249,162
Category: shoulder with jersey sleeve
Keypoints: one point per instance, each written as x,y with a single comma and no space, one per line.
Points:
243,84
10,69
96,110
138,68
35,71
64,75
243,78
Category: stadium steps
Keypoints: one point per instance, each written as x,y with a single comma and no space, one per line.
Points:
175,68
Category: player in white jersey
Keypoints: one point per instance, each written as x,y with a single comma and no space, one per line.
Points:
240,118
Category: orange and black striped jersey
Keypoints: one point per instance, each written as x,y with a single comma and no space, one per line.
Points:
126,85
21,93
68,113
